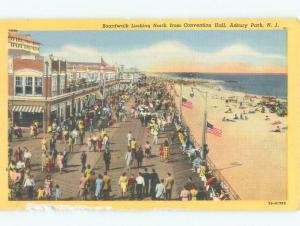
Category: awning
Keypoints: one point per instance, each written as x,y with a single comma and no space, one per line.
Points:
33,109
98,95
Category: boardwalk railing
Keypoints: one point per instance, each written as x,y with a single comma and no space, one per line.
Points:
215,171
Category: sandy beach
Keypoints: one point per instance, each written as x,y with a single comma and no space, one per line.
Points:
249,155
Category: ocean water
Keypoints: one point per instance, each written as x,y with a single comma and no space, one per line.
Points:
258,84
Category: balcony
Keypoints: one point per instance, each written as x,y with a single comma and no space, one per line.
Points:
74,88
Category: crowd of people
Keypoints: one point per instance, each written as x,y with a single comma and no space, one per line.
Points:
68,132
155,108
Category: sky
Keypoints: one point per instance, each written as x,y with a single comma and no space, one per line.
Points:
255,51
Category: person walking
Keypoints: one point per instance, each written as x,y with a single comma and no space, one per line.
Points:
48,187
49,164
140,183
196,164
107,159
71,144
128,159
106,186
155,136
94,141
194,193
29,187
123,183
131,186
27,157
92,185
83,187
57,192
44,144
154,180
65,159
161,152
166,151
83,159
146,176
99,187
40,193
133,145
147,149
105,143
129,138
89,143
139,156
59,161
160,190
88,171
81,137
43,161
75,135
169,186
185,194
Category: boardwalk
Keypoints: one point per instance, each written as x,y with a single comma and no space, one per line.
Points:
179,165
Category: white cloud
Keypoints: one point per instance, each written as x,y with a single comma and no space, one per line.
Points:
243,50
171,51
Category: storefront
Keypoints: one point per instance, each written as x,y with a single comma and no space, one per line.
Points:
24,116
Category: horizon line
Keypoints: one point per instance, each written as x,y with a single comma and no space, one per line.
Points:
220,73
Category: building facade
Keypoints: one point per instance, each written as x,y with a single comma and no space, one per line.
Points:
43,89
17,41
39,90
129,77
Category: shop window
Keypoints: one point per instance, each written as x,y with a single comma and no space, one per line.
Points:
28,86
38,86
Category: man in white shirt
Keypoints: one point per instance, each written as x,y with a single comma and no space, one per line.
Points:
75,135
27,156
140,183
29,187
20,165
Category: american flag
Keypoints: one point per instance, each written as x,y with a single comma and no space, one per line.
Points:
186,103
103,63
213,130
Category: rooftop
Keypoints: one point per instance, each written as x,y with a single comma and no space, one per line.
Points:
27,38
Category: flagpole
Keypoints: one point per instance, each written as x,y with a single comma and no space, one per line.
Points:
204,127
180,99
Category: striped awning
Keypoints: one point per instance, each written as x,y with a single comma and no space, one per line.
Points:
33,109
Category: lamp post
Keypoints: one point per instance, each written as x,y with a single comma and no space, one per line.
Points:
204,128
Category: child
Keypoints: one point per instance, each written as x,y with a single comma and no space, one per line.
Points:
40,193
57,192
